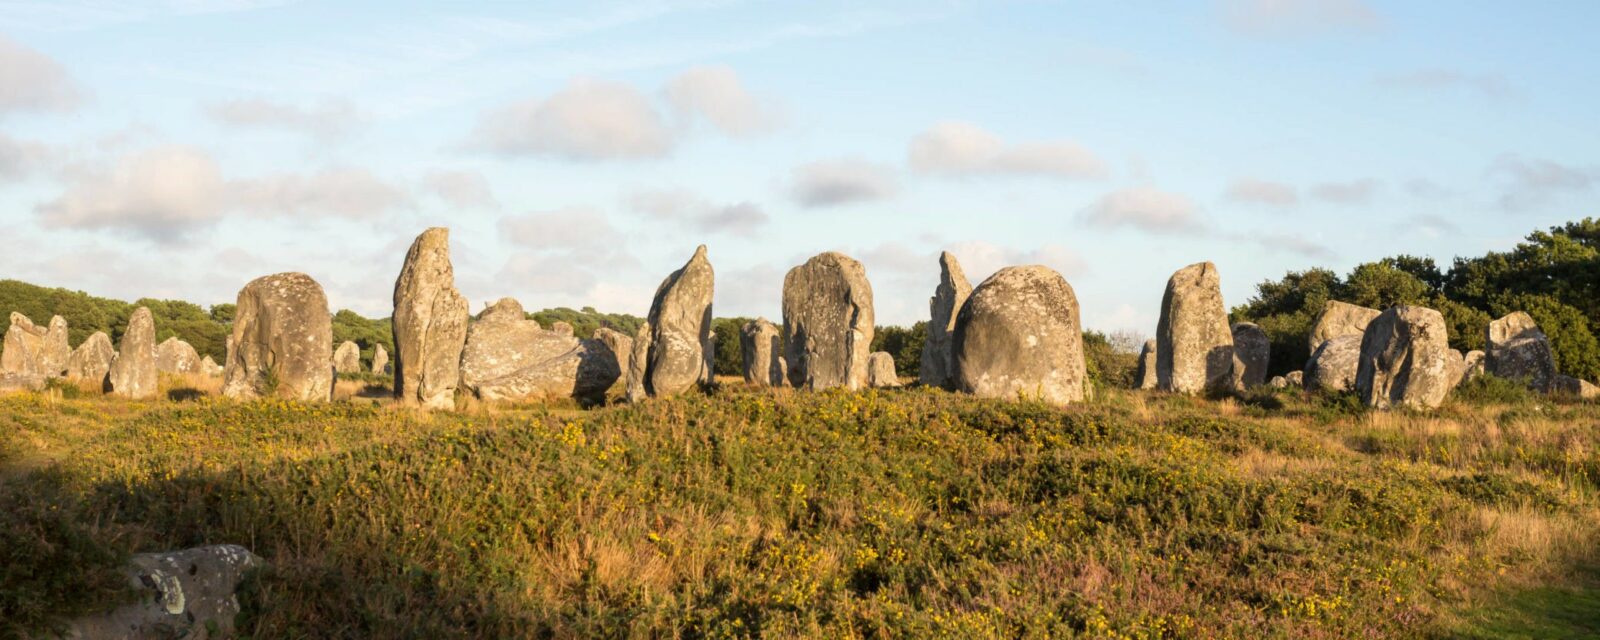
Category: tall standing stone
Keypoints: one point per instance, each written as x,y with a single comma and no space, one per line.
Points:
1146,374
1019,334
380,360
681,347
1252,352
347,358
1405,360
938,359
430,324
24,347
827,322
1194,344
636,363
55,351
1518,350
133,374
761,345
282,339
91,361
1339,319
177,357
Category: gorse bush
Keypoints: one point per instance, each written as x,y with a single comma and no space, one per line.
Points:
771,513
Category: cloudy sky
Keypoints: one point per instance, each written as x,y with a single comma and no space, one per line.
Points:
181,148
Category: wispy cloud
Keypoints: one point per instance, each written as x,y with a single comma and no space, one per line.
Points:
1530,182
1347,193
698,213
717,95
1263,192
960,148
837,182
588,120
1145,208
1298,17
32,81
329,119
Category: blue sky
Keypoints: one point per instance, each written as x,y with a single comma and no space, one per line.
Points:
579,151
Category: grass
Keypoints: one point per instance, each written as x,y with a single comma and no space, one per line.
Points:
901,513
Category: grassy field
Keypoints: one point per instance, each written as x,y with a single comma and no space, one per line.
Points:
905,513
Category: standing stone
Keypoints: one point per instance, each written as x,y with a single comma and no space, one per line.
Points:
1458,368
1194,345
827,322
430,324
880,370
210,368
1019,334
1146,376
55,351
938,359
347,358
509,357
636,363
1340,319
282,337
761,343
91,361
1405,359
1568,385
1474,360
1518,350
24,346
1334,364
619,344
380,360
1295,378
680,346
177,357
134,374
1252,351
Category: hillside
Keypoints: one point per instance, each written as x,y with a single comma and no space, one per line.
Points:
908,513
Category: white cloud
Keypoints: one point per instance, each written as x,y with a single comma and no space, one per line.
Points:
681,206
837,182
587,120
1144,208
329,119
20,158
716,94
1429,225
161,193
464,189
549,273
960,148
1290,243
345,192
1298,17
980,259
1252,191
1488,85
1531,182
572,228
31,81
1352,192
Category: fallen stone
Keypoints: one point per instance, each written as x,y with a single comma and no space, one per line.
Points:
509,357
282,339
1405,360
1574,387
1019,335
191,594
938,356
430,324
827,323
1194,344
134,373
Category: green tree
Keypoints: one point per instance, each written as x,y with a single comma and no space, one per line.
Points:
729,354
1285,310
367,333
904,344
1381,285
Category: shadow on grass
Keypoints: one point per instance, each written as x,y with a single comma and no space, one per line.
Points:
1545,613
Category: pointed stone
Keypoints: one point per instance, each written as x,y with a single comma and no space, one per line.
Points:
134,374
681,346
1405,360
1019,335
1146,375
177,357
91,361
282,340
430,324
1194,344
761,345
347,358
938,357
827,323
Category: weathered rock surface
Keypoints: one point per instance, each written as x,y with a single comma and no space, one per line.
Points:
1145,376
430,324
509,357
1568,385
209,367
380,360
134,373
636,363
1295,378
347,358
1340,319
24,347
619,344
191,594
562,328
56,351
1458,368
880,370
938,358
91,361
1405,360
1278,382
1475,362
681,347
827,322
12,382
761,344
282,338
1194,344
1019,334
1518,350
1251,353
176,356
1334,364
